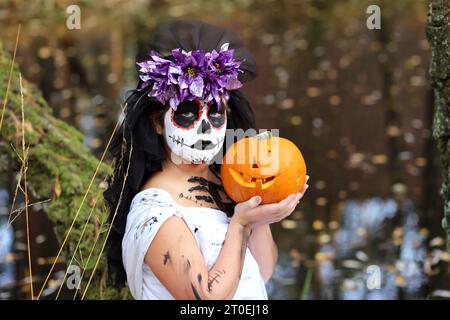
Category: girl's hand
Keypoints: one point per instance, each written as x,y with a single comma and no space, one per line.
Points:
250,214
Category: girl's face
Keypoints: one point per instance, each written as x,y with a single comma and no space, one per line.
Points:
195,131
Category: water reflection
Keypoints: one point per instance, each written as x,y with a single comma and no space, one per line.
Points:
7,271
284,278
371,256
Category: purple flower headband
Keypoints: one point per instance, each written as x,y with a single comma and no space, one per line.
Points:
193,74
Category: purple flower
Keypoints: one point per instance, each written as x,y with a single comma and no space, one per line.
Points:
163,74
191,75
222,73
191,80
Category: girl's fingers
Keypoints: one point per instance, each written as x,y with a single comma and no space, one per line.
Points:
305,187
274,212
287,200
294,203
291,207
296,200
265,211
293,200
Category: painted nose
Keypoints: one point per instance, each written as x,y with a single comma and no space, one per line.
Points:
205,127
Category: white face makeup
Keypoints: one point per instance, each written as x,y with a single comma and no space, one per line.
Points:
195,131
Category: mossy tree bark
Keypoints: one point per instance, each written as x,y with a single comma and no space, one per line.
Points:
438,36
60,168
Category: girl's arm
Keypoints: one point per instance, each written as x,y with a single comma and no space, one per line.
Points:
177,262
264,250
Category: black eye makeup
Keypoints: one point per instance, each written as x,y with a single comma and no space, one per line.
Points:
216,116
186,114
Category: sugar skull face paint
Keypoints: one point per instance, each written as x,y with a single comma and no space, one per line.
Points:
195,131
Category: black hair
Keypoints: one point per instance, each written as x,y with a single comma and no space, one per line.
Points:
136,148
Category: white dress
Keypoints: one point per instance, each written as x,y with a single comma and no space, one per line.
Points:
149,209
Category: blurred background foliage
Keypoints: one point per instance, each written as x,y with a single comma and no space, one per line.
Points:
356,101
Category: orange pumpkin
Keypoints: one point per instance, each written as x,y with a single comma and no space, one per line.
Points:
264,165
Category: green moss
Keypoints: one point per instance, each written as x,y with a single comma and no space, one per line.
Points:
57,156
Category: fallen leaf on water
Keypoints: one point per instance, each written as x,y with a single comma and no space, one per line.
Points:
441,293
352,264
436,242
400,281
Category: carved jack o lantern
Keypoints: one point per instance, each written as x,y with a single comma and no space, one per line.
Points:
268,166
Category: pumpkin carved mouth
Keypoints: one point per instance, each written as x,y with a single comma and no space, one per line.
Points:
252,182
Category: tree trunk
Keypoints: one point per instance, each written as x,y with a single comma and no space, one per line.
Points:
438,36
60,168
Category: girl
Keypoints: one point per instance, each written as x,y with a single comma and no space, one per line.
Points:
176,234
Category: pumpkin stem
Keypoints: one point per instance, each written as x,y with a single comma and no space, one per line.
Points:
264,135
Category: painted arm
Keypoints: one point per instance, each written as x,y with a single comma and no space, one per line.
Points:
264,250
177,262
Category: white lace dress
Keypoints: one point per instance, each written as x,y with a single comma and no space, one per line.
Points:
149,209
